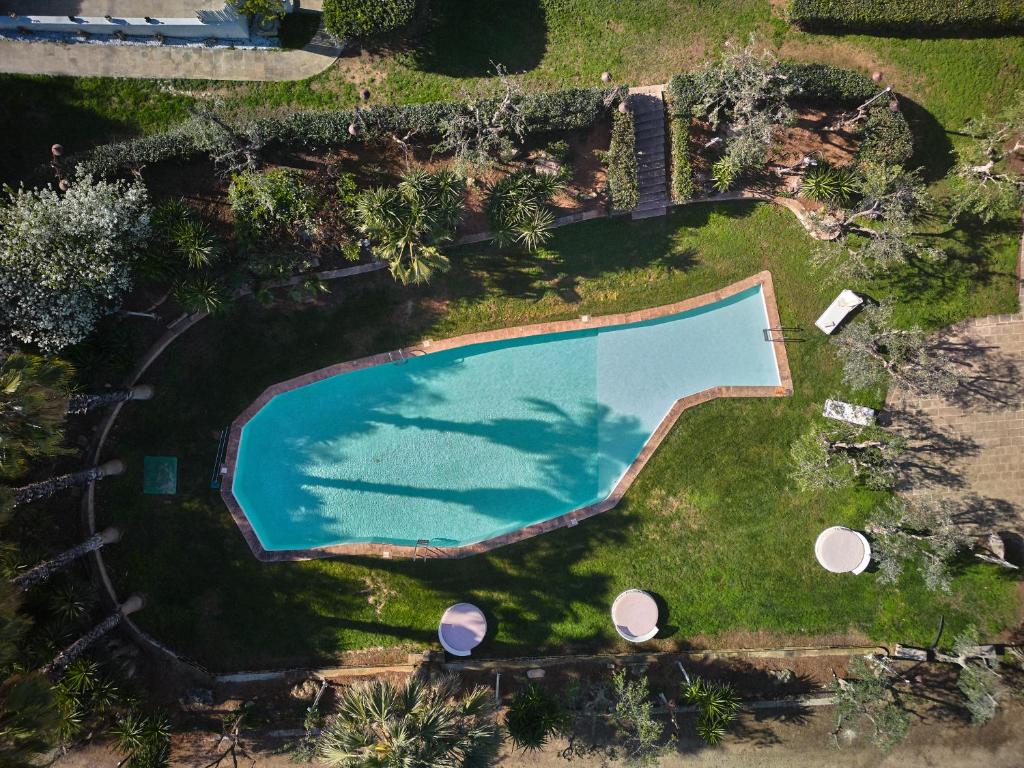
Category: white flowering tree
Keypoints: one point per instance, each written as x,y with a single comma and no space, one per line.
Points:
66,259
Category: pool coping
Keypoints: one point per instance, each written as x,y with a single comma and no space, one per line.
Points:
569,519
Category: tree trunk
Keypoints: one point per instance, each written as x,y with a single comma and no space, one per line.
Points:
45,570
46,488
87,402
61,661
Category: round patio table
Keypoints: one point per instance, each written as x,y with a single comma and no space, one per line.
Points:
635,616
841,550
462,628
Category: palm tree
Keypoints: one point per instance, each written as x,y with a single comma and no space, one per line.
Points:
90,401
407,223
518,208
33,403
60,662
48,487
46,569
422,724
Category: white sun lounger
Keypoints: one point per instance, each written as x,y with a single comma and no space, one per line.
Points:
844,304
848,412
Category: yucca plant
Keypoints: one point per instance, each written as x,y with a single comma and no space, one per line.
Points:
144,740
194,243
517,207
201,294
425,722
827,184
717,705
534,716
407,223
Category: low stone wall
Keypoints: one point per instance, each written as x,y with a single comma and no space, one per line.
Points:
222,25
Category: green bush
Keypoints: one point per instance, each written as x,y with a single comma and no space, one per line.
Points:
683,188
366,18
683,93
886,138
880,16
623,181
270,204
565,110
826,184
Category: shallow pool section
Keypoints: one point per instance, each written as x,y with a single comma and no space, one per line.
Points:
467,444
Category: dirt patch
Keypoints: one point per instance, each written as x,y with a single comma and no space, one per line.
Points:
811,136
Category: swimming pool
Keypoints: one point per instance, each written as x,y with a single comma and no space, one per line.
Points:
488,437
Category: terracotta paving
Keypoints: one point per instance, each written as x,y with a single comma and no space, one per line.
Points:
764,279
970,446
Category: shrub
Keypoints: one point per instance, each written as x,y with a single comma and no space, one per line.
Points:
270,204
725,173
886,138
366,18
683,93
683,188
824,83
517,208
569,110
623,180
882,16
534,716
66,259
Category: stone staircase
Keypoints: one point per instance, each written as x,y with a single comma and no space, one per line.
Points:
649,123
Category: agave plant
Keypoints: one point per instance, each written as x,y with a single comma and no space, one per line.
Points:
425,722
717,705
827,184
517,207
407,223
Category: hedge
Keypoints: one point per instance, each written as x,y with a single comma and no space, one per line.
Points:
881,16
815,83
623,176
569,109
366,18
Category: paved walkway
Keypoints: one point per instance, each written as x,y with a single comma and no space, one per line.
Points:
970,446
165,62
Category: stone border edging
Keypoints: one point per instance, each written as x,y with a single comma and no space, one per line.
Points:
572,518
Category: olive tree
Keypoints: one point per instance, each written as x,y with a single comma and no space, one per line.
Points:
988,181
836,454
744,97
868,696
874,352
875,232
66,259
979,680
33,408
920,533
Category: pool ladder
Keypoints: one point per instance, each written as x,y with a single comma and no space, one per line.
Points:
784,333
426,551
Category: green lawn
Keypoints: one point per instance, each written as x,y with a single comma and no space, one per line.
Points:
712,526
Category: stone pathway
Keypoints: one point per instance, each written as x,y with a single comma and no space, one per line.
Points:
970,446
166,62
649,125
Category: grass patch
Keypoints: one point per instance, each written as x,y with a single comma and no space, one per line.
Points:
713,525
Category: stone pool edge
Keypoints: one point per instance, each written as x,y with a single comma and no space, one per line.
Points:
784,389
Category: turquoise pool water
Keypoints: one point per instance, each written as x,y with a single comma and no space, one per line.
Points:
467,444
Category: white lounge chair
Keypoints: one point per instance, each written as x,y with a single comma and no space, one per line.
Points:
462,628
844,304
848,412
635,616
840,550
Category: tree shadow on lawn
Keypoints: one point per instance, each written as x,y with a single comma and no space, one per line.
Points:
467,38
933,150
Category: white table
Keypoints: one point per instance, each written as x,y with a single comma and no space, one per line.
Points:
841,550
635,616
463,627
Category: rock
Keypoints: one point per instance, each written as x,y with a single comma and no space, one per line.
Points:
606,77
781,676
197,697
535,674
305,690
876,76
